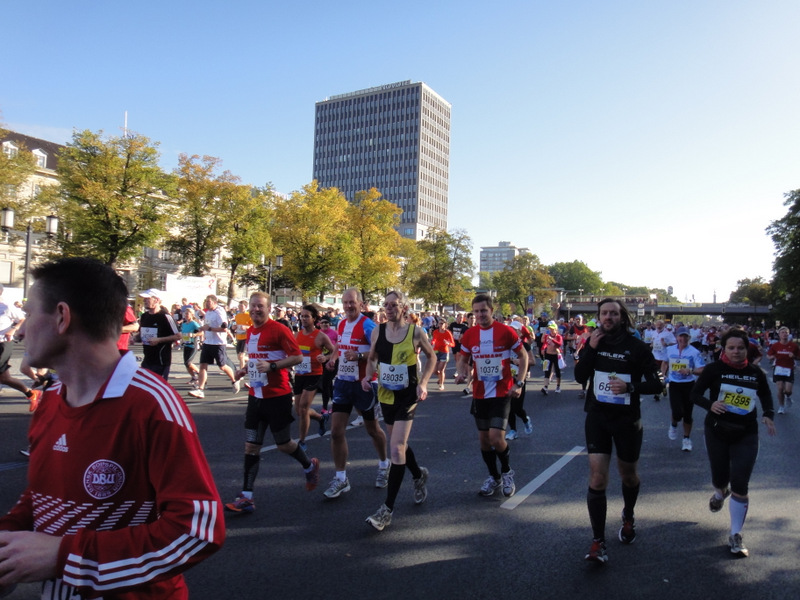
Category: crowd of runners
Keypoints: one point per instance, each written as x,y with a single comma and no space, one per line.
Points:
367,362
379,364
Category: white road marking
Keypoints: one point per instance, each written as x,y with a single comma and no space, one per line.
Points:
534,485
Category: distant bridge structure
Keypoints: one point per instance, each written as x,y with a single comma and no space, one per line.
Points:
648,309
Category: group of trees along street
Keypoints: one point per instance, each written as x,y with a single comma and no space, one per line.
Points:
114,200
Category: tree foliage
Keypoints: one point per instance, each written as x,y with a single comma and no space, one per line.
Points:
485,280
615,288
440,270
752,291
372,221
203,213
574,276
248,236
113,196
311,232
15,169
785,234
525,275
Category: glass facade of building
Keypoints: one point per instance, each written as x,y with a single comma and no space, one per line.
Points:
395,138
494,259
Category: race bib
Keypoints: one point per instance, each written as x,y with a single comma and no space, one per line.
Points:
456,334
783,371
257,379
489,368
348,369
602,388
304,368
739,400
393,377
514,370
187,338
677,365
148,333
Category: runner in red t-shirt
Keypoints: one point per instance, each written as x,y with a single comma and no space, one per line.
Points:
442,342
490,345
271,352
783,354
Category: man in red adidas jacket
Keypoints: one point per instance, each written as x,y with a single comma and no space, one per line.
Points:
120,499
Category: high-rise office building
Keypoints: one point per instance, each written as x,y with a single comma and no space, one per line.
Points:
395,138
494,259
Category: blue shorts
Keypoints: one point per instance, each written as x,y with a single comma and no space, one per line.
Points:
349,394
442,356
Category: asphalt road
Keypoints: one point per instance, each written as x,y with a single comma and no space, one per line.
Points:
458,545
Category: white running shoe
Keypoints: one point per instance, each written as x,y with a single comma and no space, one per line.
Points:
489,486
381,518
508,484
673,432
420,486
337,488
382,479
686,446
197,394
737,546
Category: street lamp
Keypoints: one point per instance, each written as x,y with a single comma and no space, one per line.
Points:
7,225
278,265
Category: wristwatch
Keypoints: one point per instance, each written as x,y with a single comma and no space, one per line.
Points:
519,383
273,366
629,388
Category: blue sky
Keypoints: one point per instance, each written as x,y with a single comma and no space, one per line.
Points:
652,140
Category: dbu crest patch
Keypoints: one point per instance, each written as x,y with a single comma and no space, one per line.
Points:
103,478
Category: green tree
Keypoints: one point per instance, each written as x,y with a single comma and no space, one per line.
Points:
525,275
615,288
612,288
633,290
248,238
752,291
372,221
440,271
574,276
311,231
114,196
785,234
204,212
485,280
661,294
